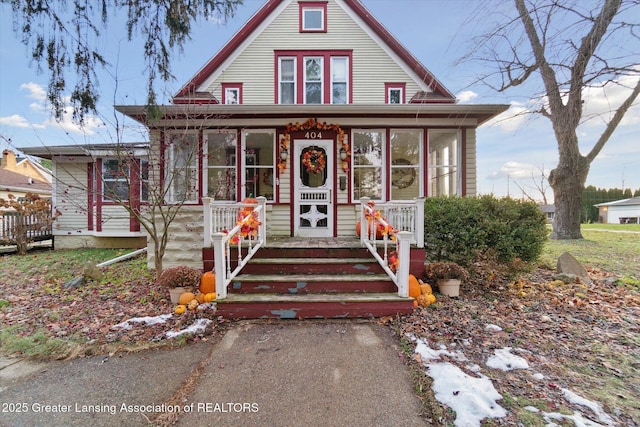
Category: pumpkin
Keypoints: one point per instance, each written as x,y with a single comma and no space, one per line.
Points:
425,288
425,300
379,229
414,287
415,302
200,298
186,298
208,282
193,304
181,308
208,297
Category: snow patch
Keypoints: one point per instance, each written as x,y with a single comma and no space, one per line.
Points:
492,328
147,320
577,419
427,352
503,359
594,406
197,327
473,399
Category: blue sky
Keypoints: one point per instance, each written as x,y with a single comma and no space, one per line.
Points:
437,32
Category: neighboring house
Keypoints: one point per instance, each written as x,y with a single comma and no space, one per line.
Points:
549,211
21,176
625,211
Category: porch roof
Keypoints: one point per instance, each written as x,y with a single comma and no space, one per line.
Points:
478,113
88,150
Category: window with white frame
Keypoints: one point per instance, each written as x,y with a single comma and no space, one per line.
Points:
395,93
406,159
115,179
232,94
313,17
287,80
221,181
340,80
259,163
313,79
181,168
444,163
368,173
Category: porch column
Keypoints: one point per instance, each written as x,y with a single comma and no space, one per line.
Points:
262,217
363,222
419,225
206,205
220,266
404,260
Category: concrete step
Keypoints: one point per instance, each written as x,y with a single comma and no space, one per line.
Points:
313,306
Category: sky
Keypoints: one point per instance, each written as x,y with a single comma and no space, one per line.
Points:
512,150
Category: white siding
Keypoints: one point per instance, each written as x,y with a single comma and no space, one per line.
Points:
372,66
70,198
472,178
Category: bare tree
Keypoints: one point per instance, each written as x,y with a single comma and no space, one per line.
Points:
570,48
538,189
66,37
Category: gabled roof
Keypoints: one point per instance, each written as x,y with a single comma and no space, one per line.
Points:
13,181
634,201
440,93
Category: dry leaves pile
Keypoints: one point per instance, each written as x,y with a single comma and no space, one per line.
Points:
582,338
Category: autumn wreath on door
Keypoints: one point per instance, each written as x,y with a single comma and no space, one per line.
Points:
316,164
314,160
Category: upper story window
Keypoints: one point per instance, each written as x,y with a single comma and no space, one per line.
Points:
394,93
232,93
313,17
313,77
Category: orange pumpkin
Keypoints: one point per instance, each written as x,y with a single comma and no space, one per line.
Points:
200,298
379,229
414,287
208,282
210,297
186,298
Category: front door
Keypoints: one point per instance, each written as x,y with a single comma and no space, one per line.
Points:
313,188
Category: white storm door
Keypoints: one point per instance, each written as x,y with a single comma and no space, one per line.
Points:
313,188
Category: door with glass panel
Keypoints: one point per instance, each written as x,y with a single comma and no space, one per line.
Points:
313,188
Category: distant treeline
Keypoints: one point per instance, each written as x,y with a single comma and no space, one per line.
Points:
592,196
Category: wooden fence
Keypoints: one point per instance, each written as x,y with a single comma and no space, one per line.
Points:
37,227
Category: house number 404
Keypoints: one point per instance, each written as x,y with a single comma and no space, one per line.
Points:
313,135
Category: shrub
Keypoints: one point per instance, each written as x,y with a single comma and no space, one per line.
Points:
180,276
462,229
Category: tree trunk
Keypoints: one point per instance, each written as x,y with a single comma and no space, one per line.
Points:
568,182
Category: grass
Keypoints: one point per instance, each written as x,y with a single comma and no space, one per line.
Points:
603,247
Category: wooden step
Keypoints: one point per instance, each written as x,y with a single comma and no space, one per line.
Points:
313,266
313,306
311,283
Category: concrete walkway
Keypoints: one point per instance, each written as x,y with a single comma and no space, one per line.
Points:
282,373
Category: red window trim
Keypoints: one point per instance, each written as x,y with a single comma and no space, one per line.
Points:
389,86
315,5
226,86
300,55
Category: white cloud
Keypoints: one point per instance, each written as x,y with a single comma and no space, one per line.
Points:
15,120
466,96
515,170
35,91
601,103
514,118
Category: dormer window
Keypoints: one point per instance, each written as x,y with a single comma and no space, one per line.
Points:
313,17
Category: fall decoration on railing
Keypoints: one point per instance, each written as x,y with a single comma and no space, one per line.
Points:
383,228
314,161
314,126
248,220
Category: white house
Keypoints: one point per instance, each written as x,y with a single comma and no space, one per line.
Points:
625,211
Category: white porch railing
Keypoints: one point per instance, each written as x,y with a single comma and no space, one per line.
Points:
388,230
238,225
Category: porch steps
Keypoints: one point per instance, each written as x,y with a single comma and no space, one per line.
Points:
294,281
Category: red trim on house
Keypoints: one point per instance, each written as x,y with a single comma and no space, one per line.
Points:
229,48
326,81
90,196
134,194
99,191
401,86
226,86
312,4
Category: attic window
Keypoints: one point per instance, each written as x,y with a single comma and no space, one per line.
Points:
394,93
313,17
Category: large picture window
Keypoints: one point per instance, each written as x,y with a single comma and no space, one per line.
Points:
181,168
259,163
406,158
367,148
221,165
444,163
